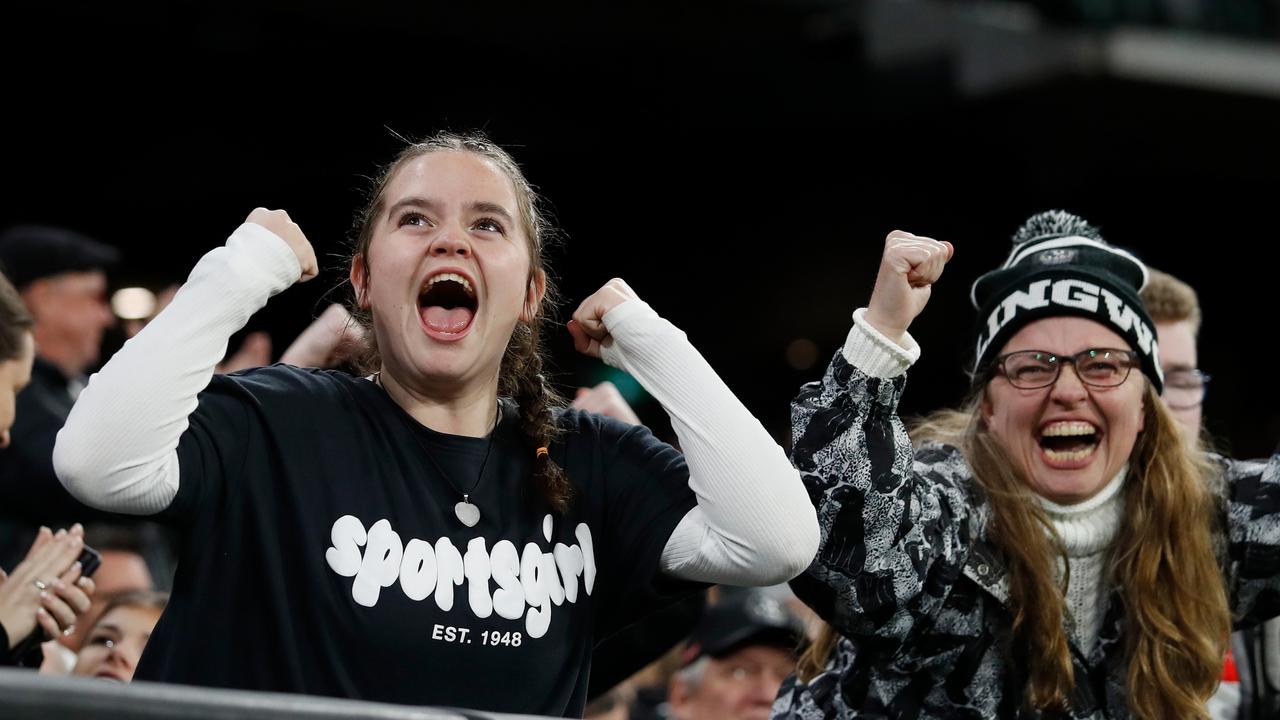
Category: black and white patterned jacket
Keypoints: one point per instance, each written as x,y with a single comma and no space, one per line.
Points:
906,575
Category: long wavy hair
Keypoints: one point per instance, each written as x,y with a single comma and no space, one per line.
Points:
521,374
1164,563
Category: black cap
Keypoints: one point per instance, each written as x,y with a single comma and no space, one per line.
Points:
31,252
742,619
1060,265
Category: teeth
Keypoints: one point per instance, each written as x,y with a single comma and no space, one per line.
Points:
451,276
1069,455
1069,429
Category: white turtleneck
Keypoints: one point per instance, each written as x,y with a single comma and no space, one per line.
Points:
1088,530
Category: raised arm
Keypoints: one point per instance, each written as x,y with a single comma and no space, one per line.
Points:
118,449
753,524
895,527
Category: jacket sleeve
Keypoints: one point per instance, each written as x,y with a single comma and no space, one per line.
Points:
895,528
1253,539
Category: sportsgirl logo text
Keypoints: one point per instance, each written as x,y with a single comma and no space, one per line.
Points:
528,582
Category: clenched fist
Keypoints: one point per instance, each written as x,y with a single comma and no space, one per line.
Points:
909,267
587,326
278,222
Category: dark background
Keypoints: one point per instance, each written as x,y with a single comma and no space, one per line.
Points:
738,163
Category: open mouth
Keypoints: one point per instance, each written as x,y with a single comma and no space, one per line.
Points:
447,304
1068,442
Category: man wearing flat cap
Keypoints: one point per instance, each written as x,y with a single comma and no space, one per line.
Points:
737,657
61,276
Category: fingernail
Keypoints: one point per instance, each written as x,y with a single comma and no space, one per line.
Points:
60,533
77,528
41,611
75,566
83,582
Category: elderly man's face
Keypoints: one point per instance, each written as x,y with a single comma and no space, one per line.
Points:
71,313
742,684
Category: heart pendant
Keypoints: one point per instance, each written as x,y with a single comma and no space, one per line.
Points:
468,513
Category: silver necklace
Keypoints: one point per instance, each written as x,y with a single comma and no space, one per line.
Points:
468,513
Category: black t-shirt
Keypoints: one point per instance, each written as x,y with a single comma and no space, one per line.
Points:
321,553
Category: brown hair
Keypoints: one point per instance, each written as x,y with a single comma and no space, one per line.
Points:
137,598
15,321
1169,300
521,375
1163,561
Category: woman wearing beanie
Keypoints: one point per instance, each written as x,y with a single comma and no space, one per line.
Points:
1054,549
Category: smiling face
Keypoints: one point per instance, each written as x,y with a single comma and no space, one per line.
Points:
1069,438
447,272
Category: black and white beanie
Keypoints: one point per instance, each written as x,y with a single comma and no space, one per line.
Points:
1060,265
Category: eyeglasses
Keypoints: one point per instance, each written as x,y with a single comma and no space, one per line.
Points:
1099,367
1185,389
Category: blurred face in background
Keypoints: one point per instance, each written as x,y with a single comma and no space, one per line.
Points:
116,642
15,373
71,314
121,571
742,684
1183,389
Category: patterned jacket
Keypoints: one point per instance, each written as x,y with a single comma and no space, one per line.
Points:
906,575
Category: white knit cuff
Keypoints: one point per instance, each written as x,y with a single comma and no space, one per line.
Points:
876,355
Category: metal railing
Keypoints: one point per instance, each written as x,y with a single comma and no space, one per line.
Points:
26,695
